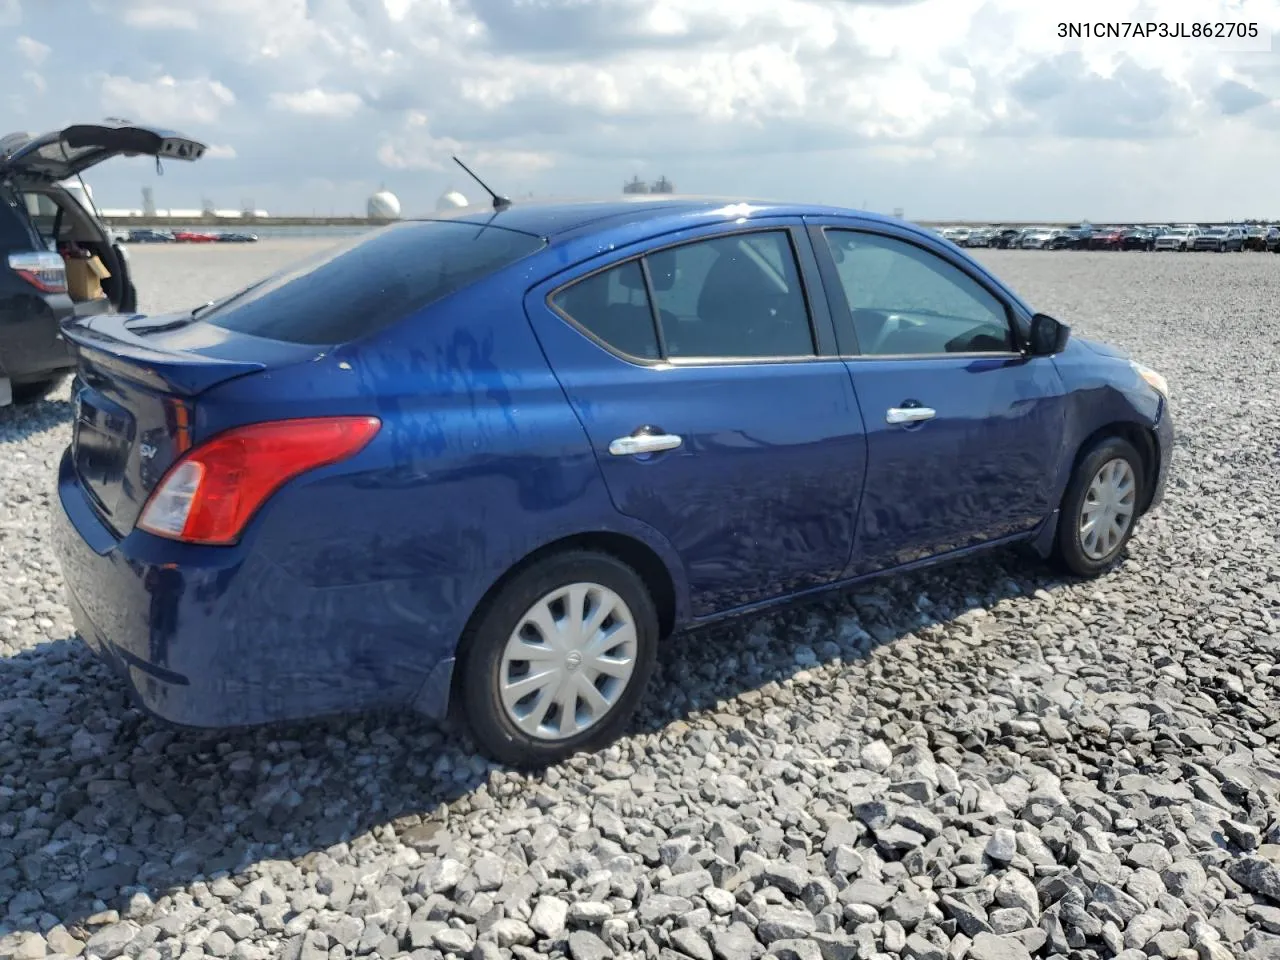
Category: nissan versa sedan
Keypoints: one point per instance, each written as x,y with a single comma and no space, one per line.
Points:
489,463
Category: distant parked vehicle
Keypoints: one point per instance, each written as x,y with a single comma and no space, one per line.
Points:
1255,238
1038,238
1010,238
1180,238
1138,238
1074,237
1273,240
494,460
149,235
194,236
1220,240
237,238
1110,238
978,238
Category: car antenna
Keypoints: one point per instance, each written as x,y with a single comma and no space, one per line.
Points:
499,203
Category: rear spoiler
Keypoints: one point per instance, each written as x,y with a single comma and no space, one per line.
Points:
106,342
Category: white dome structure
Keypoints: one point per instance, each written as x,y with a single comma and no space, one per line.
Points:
451,200
384,205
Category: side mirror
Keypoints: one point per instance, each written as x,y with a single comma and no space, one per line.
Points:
1048,336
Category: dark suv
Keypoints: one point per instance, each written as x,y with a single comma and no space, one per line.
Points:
43,227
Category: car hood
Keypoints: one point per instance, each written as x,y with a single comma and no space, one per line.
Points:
1102,349
65,153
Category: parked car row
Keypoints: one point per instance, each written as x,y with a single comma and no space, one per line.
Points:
155,235
1084,236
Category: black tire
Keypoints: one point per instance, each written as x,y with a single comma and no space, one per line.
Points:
482,649
36,390
1069,552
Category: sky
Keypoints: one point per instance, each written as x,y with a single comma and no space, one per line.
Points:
966,109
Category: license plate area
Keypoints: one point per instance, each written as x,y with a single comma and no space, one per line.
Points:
102,436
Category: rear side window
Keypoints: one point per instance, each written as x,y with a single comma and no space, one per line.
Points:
613,306
728,297
369,284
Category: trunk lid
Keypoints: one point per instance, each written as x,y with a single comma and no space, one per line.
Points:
66,153
137,383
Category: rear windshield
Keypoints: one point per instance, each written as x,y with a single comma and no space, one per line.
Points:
366,285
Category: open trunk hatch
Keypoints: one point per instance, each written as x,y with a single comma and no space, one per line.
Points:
135,394
65,153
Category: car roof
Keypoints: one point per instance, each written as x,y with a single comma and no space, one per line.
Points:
561,220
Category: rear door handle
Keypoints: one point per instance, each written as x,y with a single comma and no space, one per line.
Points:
909,414
644,443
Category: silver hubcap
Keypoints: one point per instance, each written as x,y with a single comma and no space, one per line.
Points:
568,661
1107,513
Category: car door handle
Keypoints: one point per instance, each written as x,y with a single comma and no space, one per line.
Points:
909,414
644,443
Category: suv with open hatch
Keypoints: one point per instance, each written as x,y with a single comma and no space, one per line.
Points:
57,260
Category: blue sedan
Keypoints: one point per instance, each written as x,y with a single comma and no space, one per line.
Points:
489,462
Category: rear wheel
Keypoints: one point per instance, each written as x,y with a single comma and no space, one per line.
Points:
36,390
1100,508
558,660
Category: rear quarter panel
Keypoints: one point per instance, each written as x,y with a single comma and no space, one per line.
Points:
480,461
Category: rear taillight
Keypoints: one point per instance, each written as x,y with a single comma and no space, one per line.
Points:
44,270
212,491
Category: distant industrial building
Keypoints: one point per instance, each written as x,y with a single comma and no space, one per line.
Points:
185,215
207,211
451,200
383,205
636,185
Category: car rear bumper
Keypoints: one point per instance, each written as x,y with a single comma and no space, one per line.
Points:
219,637
31,343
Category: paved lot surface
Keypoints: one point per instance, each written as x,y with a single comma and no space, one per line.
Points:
983,761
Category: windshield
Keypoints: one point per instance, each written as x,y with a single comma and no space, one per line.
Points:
371,282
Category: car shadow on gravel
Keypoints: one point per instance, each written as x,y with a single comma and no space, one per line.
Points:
98,801
18,422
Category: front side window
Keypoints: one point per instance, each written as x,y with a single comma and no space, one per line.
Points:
729,297
906,301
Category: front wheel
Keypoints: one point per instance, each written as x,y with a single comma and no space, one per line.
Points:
559,659
1100,508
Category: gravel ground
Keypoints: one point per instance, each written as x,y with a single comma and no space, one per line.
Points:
983,761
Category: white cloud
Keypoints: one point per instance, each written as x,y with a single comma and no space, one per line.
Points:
165,100
318,103
36,81
220,151
161,17
32,50
414,148
934,104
